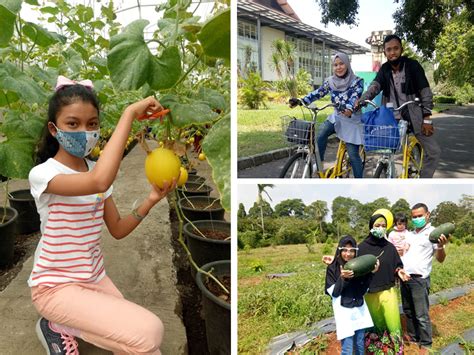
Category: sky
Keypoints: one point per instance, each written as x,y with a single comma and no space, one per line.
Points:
414,191
373,16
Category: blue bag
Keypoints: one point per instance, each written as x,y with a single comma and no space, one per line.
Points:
380,130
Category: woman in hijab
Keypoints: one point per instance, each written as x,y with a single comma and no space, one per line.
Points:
345,88
350,311
382,298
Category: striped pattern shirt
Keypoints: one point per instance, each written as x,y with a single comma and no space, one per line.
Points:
69,249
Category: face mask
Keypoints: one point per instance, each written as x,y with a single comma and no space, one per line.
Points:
378,232
419,222
78,143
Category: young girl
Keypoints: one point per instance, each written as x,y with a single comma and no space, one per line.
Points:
398,236
345,88
350,311
69,285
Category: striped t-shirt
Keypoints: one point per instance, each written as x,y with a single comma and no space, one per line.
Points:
69,248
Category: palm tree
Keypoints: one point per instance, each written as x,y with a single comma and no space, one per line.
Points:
261,189
283,62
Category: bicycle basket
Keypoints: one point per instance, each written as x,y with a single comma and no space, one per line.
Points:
297,131
380,130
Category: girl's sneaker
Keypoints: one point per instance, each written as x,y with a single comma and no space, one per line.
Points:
55,343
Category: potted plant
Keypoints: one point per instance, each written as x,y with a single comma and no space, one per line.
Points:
28,217
8,217
208,240
194,189
201,208
196,178
216,305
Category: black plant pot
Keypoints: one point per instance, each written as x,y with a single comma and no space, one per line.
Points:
196,178
205,207
194,189
7,235
192,171
28,217
216,311
206,250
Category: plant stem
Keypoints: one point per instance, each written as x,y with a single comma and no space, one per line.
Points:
18,29
183,244
187,72
5,203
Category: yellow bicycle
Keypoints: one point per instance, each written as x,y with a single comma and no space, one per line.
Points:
305,163
410,148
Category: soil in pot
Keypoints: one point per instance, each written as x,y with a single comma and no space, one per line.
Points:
201,207
215,245
216,290
196,178
194,189
9,217
28,217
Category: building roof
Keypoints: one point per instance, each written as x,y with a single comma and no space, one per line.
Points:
289,22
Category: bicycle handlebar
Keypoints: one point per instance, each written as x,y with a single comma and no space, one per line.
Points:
416,102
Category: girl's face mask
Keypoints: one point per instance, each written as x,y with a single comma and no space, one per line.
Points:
77,143
378,232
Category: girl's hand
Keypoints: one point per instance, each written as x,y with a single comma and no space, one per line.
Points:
156,194
347,274
145,106
327,259
376,268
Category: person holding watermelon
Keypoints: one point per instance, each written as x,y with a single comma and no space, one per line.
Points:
418,263
347,292
382,298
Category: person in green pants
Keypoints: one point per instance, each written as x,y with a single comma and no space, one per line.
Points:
382,296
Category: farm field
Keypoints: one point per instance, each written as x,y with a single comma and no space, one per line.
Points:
270,307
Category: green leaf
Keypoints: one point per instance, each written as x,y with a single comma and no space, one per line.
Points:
8,97
74,27
39,74
131,63
216,146
22,131
73,59
104,43
49,10
166,70
14,80
32,2
79,48
215,100
185,112
8,11
100,64
97,24
42,36
215,36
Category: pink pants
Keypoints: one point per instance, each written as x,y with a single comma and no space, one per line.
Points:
102,315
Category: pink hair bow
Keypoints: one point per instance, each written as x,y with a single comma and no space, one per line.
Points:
63,81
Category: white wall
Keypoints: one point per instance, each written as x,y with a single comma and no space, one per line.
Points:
268,36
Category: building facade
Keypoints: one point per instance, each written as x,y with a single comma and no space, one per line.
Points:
260,22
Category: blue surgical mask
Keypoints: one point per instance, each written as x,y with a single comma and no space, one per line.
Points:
378,232
419,222
77,143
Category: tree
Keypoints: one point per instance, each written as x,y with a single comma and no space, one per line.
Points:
259,211
241,212
260,190
467,202
454,48
339,12
445,212
343,209
290,207
318,211
283,62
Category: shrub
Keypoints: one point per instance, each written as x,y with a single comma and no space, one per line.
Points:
252,93
300,84
469,239
464,94
250,238
441,99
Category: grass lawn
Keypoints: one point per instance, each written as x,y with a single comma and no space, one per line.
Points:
260,131
271,307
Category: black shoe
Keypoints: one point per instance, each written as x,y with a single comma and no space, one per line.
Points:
55,343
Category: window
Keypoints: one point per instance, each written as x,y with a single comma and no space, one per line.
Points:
247,51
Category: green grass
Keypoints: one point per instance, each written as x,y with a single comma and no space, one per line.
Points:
260,131
268,308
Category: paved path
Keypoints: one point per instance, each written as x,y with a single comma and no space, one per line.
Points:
454,131
140,265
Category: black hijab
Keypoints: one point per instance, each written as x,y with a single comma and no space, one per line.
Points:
334,269
390,261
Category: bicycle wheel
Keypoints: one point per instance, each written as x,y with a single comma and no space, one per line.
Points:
415,159
296,167
381,171
345,168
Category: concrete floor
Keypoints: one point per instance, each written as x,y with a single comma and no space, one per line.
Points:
140,265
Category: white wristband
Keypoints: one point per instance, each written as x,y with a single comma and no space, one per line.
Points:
428,121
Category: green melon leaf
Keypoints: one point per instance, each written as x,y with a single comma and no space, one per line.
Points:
41,36
215,36
14,80
216,146
8,11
